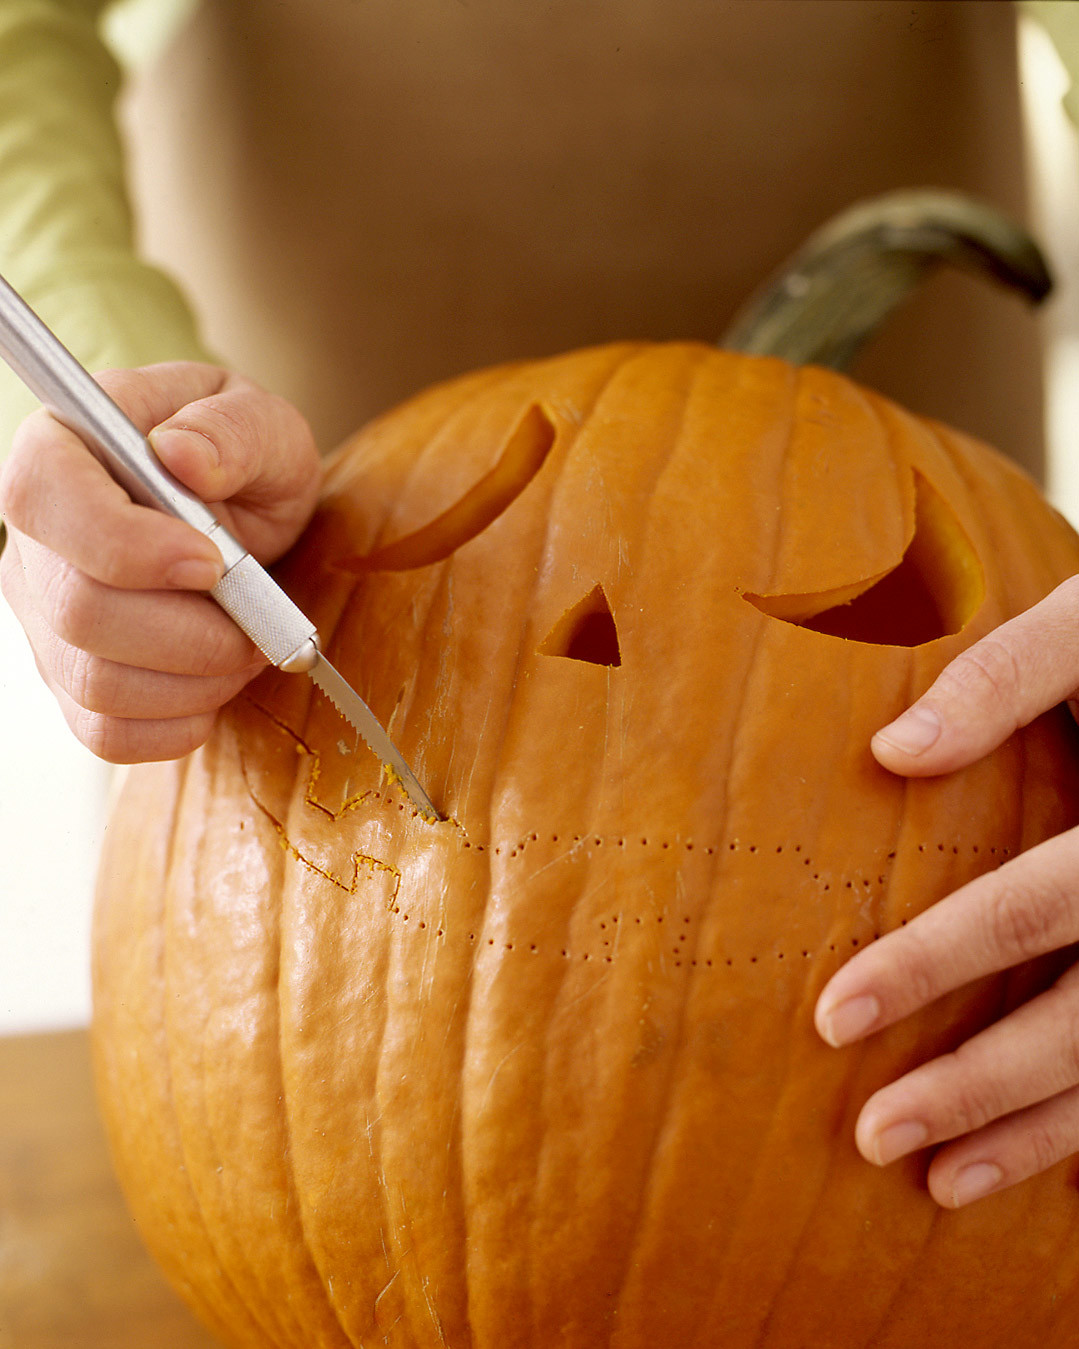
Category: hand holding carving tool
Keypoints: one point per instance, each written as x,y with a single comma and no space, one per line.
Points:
247,592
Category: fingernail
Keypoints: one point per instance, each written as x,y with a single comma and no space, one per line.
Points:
913,732
975,1181
190,455
175,442
848,1020
194,574
897,1140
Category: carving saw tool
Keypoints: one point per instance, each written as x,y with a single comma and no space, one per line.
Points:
247,593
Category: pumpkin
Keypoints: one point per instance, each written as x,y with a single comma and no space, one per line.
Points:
544,1073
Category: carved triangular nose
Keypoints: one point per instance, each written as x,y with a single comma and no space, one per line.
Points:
586,632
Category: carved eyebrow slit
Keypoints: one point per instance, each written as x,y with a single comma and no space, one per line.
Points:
526,449
934,591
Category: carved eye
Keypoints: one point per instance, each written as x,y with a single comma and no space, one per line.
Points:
933,592
586,632
522,457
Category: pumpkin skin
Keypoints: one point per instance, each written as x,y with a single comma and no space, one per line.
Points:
545,1073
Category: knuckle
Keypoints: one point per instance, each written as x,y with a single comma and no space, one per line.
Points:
11,578
988,675
220,651
90,682
291,418
1021,922
974,1099
1044,1144
105,737
1068,592
72,604
130,389
118,740
16,488
228,423
112,561
916,971
1067,1037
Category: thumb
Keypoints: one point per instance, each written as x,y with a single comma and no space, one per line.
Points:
250,452
1002,682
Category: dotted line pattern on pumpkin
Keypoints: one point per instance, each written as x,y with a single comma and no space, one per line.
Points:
734,845
512,851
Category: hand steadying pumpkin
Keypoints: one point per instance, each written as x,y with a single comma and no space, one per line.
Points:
1006,1103
138,663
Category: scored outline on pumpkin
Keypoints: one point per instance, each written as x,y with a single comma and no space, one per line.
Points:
373,864
525,452
934,590
863,885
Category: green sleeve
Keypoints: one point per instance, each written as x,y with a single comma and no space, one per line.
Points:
66,228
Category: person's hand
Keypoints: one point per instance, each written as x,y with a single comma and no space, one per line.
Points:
107,590
1006,1103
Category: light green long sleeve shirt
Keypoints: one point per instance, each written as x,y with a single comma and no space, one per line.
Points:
67,237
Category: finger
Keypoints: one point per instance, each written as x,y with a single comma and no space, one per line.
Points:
997,685
122,740
1026,908
113,689
1003,1153
53,491
1028,1057
152,393
175,632
250,449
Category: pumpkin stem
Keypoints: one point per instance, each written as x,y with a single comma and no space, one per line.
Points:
841,285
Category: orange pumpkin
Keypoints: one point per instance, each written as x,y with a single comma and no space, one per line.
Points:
545,1074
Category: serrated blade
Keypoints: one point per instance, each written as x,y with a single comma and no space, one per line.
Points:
355,711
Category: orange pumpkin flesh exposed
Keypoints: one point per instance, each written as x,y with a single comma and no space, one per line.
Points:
545,1074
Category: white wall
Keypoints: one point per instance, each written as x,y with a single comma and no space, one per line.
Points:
52,813
1053,158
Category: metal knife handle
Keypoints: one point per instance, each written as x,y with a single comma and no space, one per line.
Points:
246,592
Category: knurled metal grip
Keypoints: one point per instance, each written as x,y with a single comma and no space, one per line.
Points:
257,604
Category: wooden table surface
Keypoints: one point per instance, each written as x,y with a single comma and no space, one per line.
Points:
73,1272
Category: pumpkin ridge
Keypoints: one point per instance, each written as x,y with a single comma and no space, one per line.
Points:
750,660
937,1218
569,433
796,392
527,645
255,1309
318,1291
659,466
321,1264
321,1295
183,1146
234,1303
828,1174
903,813
661,1121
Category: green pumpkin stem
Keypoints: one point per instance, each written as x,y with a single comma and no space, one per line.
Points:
837,290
